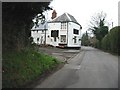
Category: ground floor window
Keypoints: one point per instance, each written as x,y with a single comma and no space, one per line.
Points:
75,40
54,33
63,38
37,39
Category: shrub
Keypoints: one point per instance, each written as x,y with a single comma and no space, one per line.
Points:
20,68
114,35
106,43
111,41
97,44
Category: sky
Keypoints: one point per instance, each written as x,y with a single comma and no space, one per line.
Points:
83,10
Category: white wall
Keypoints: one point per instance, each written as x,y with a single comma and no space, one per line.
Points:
40,35
71,26
70,41
57,26
54,26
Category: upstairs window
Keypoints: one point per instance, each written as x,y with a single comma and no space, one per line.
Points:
75,31
63,25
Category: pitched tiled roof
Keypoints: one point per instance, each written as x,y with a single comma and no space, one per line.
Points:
65,18
40,26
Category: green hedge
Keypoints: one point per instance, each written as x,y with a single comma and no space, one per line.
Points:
106,42
97,44
111,41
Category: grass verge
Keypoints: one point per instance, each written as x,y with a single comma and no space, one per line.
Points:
20,68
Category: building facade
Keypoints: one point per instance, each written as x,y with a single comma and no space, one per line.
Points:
62,31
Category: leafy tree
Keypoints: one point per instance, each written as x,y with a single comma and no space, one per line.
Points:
85,39
17,22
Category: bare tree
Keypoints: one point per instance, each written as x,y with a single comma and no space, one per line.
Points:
97,25
95,20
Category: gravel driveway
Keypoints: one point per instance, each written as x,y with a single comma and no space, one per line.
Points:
61,54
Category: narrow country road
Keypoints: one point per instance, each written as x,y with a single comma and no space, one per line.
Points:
91,68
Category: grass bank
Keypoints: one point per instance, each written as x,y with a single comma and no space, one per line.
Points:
20,68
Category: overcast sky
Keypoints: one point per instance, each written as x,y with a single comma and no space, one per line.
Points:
83,10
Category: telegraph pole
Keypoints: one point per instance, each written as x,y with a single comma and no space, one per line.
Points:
112,24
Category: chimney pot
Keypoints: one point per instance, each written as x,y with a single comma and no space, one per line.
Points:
54,14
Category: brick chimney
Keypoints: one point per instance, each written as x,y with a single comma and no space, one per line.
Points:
54,14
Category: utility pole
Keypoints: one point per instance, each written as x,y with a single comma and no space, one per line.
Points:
112,24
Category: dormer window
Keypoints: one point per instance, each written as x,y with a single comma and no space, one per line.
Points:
63,25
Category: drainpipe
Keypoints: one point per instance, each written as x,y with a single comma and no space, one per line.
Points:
67,33
45,34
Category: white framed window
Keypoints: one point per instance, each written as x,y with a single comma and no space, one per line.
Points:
63,38
63,25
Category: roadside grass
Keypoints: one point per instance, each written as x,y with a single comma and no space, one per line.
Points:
20,68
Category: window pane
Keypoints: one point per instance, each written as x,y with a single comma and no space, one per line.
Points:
54,33
63,25
63,38
75,31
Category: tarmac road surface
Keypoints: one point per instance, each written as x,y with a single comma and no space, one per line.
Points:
90,68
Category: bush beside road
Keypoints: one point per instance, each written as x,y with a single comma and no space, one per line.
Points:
111,41
20,68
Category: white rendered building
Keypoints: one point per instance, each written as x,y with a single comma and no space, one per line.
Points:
62,31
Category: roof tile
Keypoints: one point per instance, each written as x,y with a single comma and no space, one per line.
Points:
65,18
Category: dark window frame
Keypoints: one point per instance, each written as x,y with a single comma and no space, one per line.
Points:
54,33
75,31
